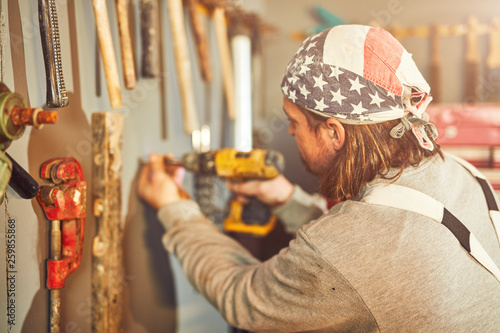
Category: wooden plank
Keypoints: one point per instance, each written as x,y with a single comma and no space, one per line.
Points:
107,252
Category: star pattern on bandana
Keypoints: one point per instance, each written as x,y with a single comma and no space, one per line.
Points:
304,91
335,72
376,99
304,69
320,105
309,60
285,89
292,79
358,109
337,96
318,82
292,95
333,90
355,85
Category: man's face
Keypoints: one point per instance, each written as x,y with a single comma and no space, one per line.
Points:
315,150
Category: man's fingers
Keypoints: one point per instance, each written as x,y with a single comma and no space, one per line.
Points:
156,162
178,175
144,178
249,188
241,199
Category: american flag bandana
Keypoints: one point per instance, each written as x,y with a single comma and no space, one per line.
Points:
359,75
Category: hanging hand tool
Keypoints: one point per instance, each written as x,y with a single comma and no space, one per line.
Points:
200,39
107,53
472,61
49,31
219,18
22,182
254,218
150,29
183,64
257,73
64,204
15,116
493,61
126,44
435,66
203,52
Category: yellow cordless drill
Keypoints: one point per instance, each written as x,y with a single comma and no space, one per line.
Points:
254,218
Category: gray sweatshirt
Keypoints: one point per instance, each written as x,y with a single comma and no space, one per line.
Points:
358,268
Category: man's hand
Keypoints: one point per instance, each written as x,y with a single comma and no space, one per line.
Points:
273,192
159,185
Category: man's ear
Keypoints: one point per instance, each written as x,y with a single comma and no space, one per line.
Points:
336,132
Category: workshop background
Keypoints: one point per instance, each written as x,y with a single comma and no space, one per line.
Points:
156,296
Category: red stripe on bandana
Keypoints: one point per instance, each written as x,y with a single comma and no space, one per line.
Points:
381,67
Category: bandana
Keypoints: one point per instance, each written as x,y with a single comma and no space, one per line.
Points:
360,75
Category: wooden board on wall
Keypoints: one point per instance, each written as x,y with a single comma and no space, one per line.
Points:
107,250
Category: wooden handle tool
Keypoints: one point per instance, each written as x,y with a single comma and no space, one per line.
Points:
107,53
150,30
435,66
201,39
493,61
219,18
471,60
126,44
183,65
21,181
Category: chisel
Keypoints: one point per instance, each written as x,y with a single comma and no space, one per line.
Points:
49,32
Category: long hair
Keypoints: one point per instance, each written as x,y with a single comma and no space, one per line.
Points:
368,151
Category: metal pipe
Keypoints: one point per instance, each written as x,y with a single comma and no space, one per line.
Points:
241,46
55,294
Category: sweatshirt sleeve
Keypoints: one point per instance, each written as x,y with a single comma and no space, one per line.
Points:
295,290
300,209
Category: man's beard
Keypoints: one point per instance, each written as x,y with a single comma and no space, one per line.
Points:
328,173
306,165
322,168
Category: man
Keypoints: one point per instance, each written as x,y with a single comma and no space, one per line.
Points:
410,247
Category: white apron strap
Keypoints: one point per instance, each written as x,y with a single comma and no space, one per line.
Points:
489,194
405,198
